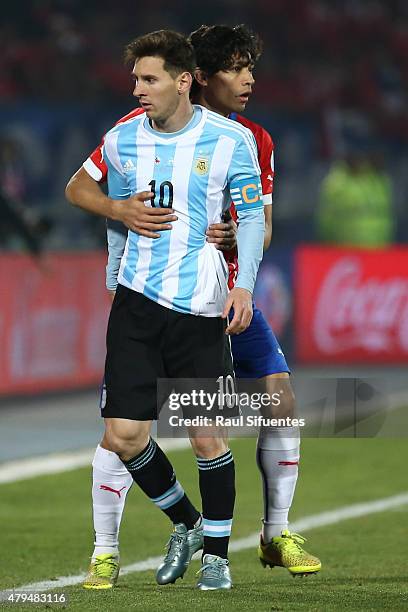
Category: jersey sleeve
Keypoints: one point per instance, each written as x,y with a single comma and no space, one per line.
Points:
244,183
267,164
95,165
118,186
244,175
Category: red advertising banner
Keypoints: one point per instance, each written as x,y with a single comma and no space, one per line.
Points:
351,305
52,322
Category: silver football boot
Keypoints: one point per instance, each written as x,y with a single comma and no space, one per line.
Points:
215,574
181,547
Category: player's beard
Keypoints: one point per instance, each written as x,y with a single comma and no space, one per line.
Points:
160,118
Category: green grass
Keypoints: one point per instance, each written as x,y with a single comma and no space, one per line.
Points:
47,533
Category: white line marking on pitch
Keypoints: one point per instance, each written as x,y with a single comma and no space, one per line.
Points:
22,469
308,522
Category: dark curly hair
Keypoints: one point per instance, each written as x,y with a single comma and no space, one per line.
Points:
174,48
218,47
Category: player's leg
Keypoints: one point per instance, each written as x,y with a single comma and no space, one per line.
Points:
134,332
110,485
257,354
126,438
277,456
216,470
134,362
201,351
150,468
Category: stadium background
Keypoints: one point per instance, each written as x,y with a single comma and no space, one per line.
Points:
332,80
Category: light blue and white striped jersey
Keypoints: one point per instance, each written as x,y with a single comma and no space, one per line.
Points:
196,171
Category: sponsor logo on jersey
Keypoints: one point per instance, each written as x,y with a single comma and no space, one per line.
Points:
128,166
201,165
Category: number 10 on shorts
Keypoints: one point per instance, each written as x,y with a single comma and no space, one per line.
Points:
227,394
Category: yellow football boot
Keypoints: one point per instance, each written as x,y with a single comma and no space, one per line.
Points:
286,551
103,572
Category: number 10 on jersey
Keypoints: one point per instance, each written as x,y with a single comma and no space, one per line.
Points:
165,194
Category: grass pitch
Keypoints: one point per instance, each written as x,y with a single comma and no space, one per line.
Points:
46,532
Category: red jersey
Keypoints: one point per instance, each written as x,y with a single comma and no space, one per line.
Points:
265,147
97,169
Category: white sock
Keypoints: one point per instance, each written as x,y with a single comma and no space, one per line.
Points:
277,457
111,482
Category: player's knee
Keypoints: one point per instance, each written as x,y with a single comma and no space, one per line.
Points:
126,444
126,448
105,443
209,448
287,408
282,396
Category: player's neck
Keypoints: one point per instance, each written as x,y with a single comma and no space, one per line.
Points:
177,121
202,100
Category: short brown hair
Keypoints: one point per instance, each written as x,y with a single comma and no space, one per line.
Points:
174,48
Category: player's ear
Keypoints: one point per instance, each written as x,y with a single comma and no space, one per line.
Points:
201,77
184,82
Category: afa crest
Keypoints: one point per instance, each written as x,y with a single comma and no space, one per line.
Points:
201,165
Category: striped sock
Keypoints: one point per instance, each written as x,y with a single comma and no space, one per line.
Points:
217,487
154,474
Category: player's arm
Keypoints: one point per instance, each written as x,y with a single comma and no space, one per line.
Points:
268,227
246,193
84,191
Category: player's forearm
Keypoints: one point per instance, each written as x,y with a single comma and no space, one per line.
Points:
268,226
250,239
267,236
83,191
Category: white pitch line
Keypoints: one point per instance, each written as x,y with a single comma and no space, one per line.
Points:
305,524
55,463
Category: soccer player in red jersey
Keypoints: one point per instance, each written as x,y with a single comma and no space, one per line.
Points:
224,80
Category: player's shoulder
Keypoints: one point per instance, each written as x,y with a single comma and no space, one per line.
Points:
262,136
225,126
136,112
128,121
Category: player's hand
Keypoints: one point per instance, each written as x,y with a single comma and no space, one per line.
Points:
241,301
142,219
112,293
223,235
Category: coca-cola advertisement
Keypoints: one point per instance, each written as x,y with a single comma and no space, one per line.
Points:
351,305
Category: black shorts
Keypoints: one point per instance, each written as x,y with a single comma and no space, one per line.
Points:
146,341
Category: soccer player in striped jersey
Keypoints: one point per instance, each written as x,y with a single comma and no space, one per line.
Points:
224,83
168,314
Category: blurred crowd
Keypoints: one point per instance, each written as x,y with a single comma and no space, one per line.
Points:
331,87
318,53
